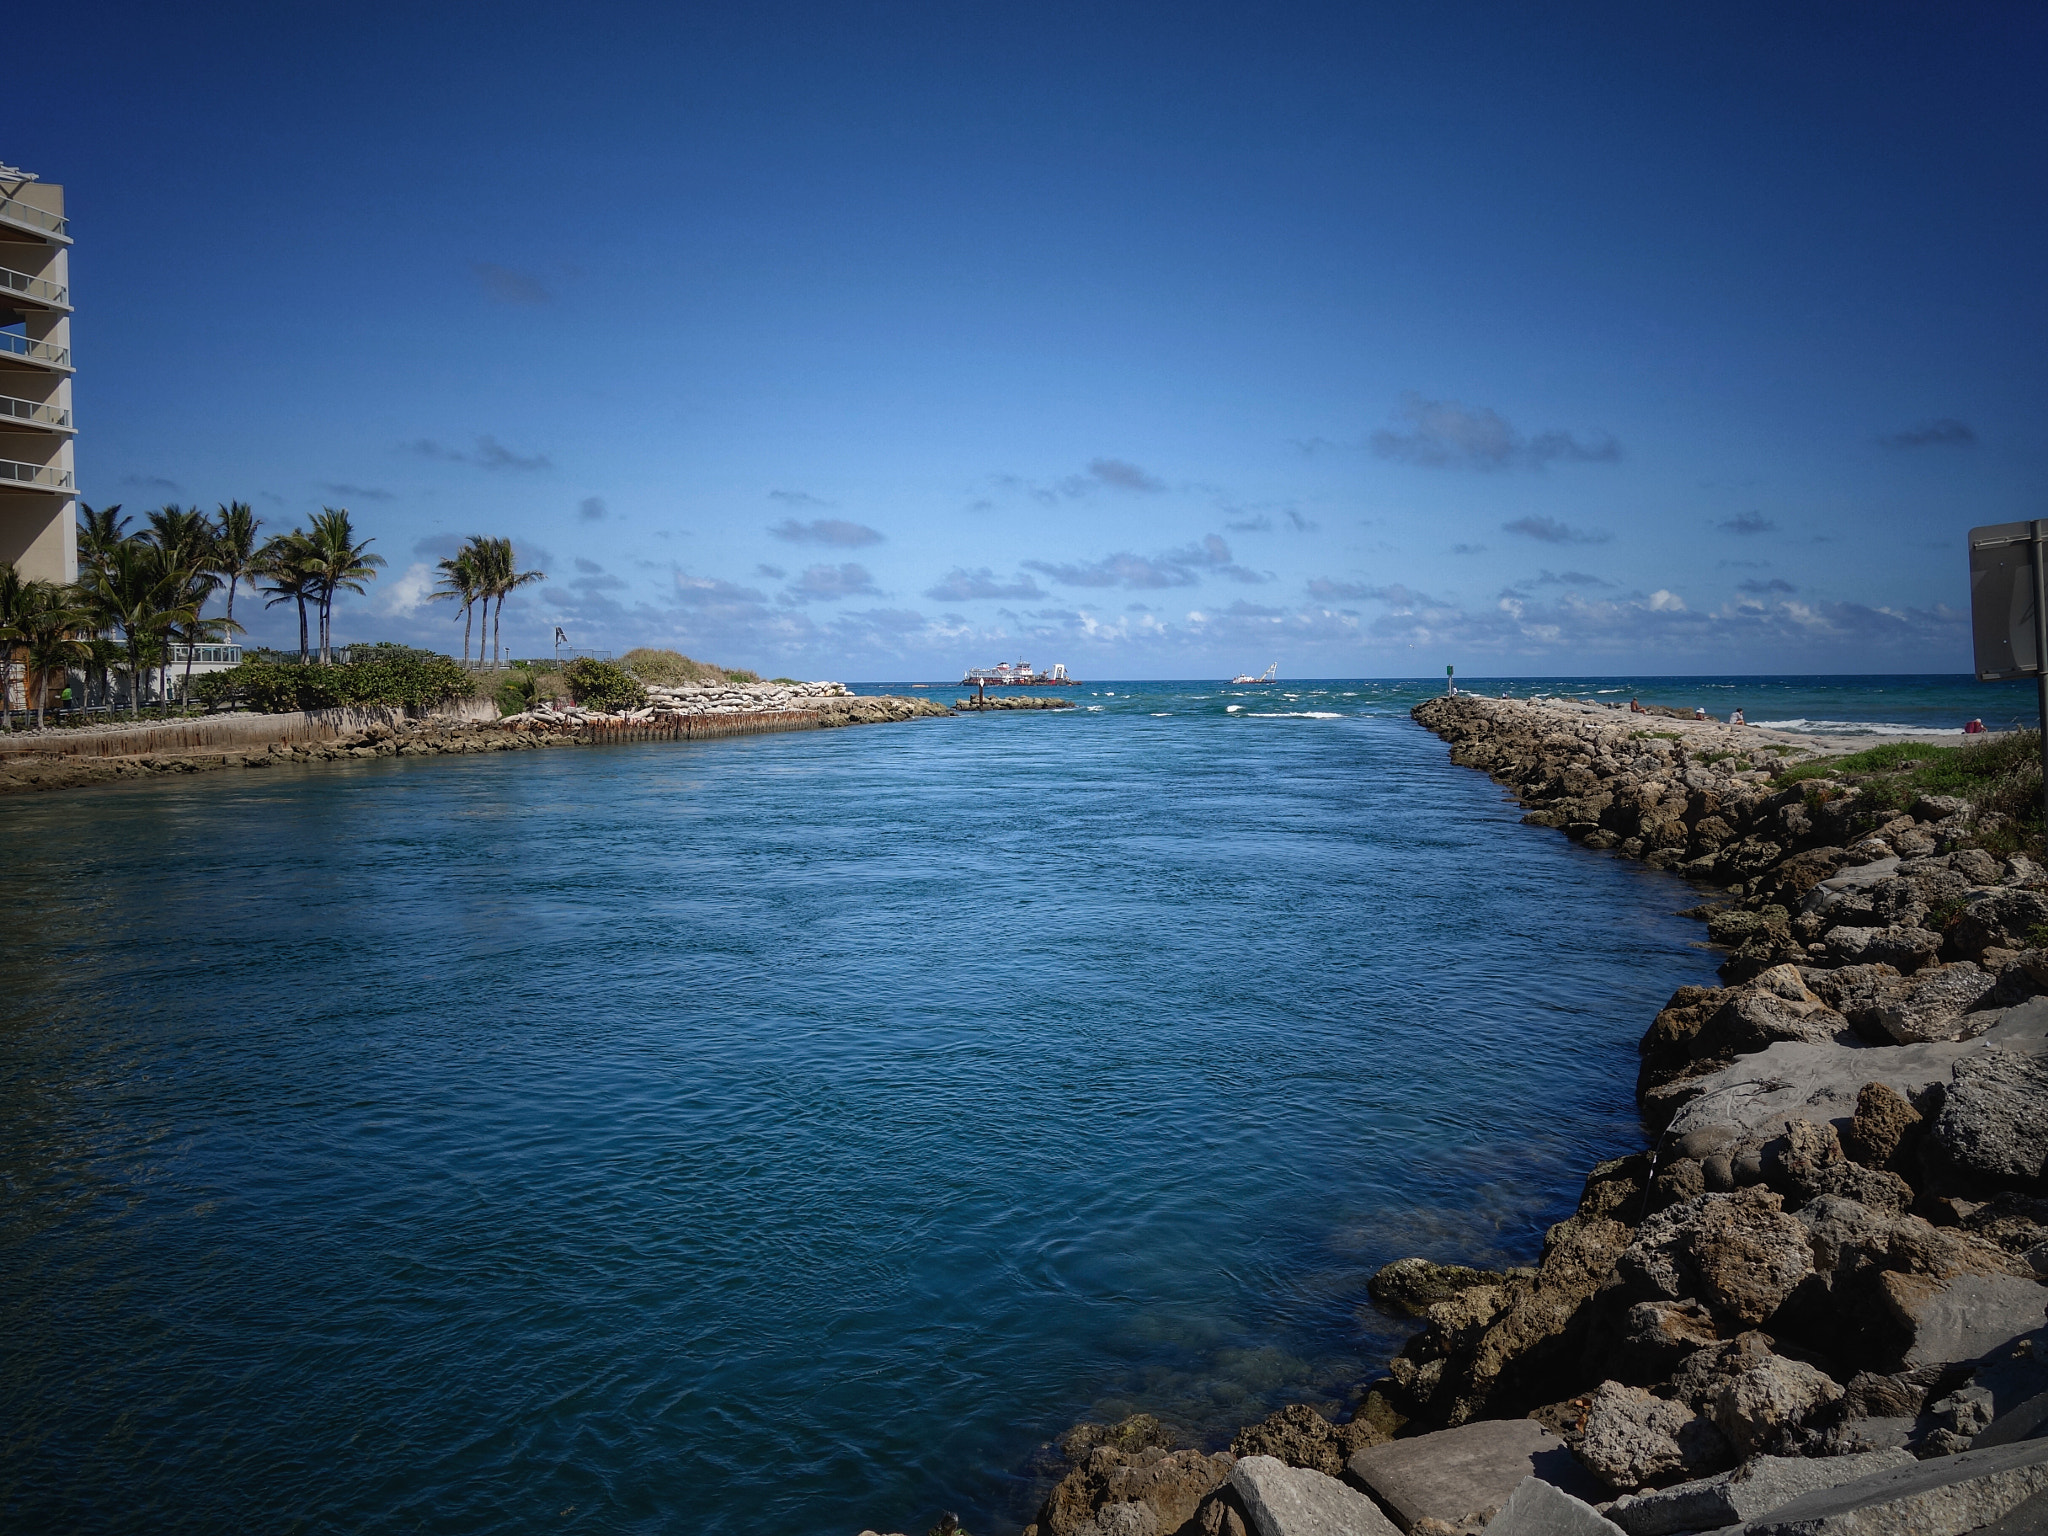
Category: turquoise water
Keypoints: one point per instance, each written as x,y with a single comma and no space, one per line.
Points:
780,1135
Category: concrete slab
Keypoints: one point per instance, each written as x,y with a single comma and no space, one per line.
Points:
1536,1508
2029,1421
1753,1489
1455,1474
1943,1496
1295,1501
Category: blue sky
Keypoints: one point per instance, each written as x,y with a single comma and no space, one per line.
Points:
873,341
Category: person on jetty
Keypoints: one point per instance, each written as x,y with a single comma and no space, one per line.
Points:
1635,707
1699,712
1737,717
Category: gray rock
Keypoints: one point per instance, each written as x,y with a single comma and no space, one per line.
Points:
1931,1005
1943,1496
1755,1488
2028,1421
1994,1122
1535,1508
1759,1093
1294,1501
1905,946
1454,1475
1964,1317
2029,1519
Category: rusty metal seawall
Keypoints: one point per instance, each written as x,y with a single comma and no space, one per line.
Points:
703,727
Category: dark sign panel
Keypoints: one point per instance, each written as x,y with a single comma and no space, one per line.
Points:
2002,620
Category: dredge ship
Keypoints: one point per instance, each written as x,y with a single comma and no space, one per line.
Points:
1017,675
1245,679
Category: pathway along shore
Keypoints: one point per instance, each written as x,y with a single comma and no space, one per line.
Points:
70,760
1813,1304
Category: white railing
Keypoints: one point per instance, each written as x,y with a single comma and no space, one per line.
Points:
14,211
34,287
39,351
46,475
231,655
34,411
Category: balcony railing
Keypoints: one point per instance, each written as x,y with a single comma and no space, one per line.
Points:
38,288
35,351
231,655
14,211
48,476
35,413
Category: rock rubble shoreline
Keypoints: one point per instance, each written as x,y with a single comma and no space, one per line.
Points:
1813,1304
676,712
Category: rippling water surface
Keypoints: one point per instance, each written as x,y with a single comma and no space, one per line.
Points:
785,1134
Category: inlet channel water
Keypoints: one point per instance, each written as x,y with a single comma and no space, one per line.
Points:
779,1135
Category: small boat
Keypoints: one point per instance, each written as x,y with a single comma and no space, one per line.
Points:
1246,680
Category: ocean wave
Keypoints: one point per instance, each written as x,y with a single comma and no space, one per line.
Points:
1231,709
1856,728
1295,714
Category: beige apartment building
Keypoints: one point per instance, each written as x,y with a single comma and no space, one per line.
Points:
38,488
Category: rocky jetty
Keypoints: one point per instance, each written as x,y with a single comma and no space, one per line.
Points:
1011,701
689,700
1813,1304
400,737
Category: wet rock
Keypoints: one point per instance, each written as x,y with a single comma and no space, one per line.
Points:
1411,1287
1994,1120
1294,1501
1301,1437
1631,1438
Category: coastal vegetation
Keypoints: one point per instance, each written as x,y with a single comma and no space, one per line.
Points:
673,669
603,685
393,676
1997,779
138,613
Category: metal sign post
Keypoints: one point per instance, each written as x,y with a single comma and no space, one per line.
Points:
2009,613
1450,682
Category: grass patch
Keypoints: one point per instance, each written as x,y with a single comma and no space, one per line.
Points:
672,669
2001,776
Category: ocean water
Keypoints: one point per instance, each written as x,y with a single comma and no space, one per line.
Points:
779,1135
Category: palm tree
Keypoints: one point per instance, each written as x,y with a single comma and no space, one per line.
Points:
98,532
501,578
53,623
184,537
344,566
459,584
132,590
234,548
285,568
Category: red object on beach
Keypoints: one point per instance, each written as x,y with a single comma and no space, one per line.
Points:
1974,728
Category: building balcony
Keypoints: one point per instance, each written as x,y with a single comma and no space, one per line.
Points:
35,477
20,288
38,354
34,415
204,655
37,221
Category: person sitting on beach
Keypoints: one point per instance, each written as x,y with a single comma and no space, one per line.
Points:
1736,718
1635,707
1973,728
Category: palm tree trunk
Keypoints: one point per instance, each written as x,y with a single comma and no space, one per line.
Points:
134,675
303,657
191,646
468,614
496,620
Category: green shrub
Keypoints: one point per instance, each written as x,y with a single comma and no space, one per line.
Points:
603,685
672,669
519,692
391,676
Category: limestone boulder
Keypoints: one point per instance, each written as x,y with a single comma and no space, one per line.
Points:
1462,1477
1962,1316
2005,918
1857,992
1933,1004
1883,1120
1765,1404
1993,1123
1942,1496
1536,1508
1905,947
1631,1438
1752,1490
